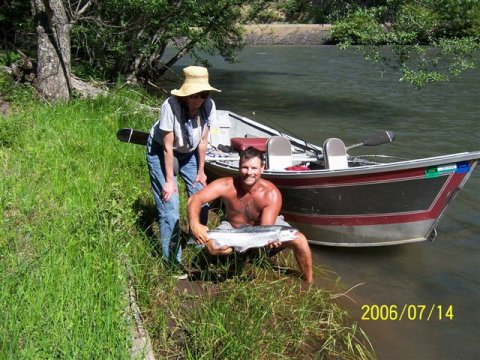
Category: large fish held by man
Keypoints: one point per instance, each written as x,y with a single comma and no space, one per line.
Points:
247,237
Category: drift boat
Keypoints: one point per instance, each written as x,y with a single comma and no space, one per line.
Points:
336,199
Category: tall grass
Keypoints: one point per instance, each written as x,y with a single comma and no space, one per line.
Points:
65,197
76,207
260,313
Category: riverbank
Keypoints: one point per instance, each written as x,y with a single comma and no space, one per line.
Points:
85,211
287,34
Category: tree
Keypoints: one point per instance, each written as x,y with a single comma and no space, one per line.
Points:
53,27
53,49
130,37
427,40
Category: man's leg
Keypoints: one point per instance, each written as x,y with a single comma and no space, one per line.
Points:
302,254
301,251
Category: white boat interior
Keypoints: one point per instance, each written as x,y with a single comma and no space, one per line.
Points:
231,133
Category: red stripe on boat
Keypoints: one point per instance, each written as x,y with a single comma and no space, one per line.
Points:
299,181
433,212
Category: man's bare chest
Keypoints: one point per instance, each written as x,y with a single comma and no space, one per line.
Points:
246,207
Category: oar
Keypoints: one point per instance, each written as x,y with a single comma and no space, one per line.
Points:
380,138
132,136
140,137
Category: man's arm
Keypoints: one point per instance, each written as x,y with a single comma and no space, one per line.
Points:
271,211
212,191
273,199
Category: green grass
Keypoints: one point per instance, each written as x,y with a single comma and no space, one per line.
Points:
76,208
258,313
66,192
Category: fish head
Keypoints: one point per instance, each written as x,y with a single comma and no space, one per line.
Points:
287,233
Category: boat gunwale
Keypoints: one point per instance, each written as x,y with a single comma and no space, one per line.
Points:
355,170
364,169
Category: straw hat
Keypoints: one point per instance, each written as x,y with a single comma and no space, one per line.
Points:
196,80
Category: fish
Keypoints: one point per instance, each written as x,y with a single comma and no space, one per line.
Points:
247,237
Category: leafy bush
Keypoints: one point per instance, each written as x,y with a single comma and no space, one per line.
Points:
11,91
427,41
8,57
359,27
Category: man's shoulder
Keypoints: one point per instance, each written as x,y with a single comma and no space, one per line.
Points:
268,185
223,181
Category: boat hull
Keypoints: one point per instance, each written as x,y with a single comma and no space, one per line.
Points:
387,204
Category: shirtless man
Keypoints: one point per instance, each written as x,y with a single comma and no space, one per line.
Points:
249,200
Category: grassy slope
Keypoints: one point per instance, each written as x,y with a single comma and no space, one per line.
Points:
76,206
64,195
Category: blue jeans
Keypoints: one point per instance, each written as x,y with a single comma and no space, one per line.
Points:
169,211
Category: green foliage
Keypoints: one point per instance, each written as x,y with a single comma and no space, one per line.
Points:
76,208
132,37
306,11
359,27
292,11
426,41
297,10
8,57
11,91
267,16
16,25
243,318
129,38
11,131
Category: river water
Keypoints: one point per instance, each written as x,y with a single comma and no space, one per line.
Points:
319,92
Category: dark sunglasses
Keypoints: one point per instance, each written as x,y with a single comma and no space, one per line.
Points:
202,95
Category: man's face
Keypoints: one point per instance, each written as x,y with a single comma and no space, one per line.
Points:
250,171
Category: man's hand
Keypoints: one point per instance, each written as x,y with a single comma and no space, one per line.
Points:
199,233
274,244
224,250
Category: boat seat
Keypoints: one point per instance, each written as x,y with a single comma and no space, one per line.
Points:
240,143
335,154
279,153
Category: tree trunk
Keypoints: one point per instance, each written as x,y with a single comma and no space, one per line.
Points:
53,52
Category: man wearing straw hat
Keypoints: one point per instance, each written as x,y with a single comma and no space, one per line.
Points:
177,145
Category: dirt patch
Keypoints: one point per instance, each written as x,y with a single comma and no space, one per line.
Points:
287,34
4,106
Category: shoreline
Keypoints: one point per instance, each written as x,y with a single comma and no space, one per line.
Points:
287,34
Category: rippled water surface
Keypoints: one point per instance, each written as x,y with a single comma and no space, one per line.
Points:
321,92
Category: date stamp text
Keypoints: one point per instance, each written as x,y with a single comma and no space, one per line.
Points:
408,312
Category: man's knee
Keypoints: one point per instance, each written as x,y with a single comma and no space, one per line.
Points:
300,241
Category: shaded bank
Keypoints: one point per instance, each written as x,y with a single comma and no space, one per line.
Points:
287,34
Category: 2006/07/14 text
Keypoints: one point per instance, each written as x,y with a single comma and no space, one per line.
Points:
407,312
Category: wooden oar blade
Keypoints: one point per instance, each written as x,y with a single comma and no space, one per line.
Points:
132,136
